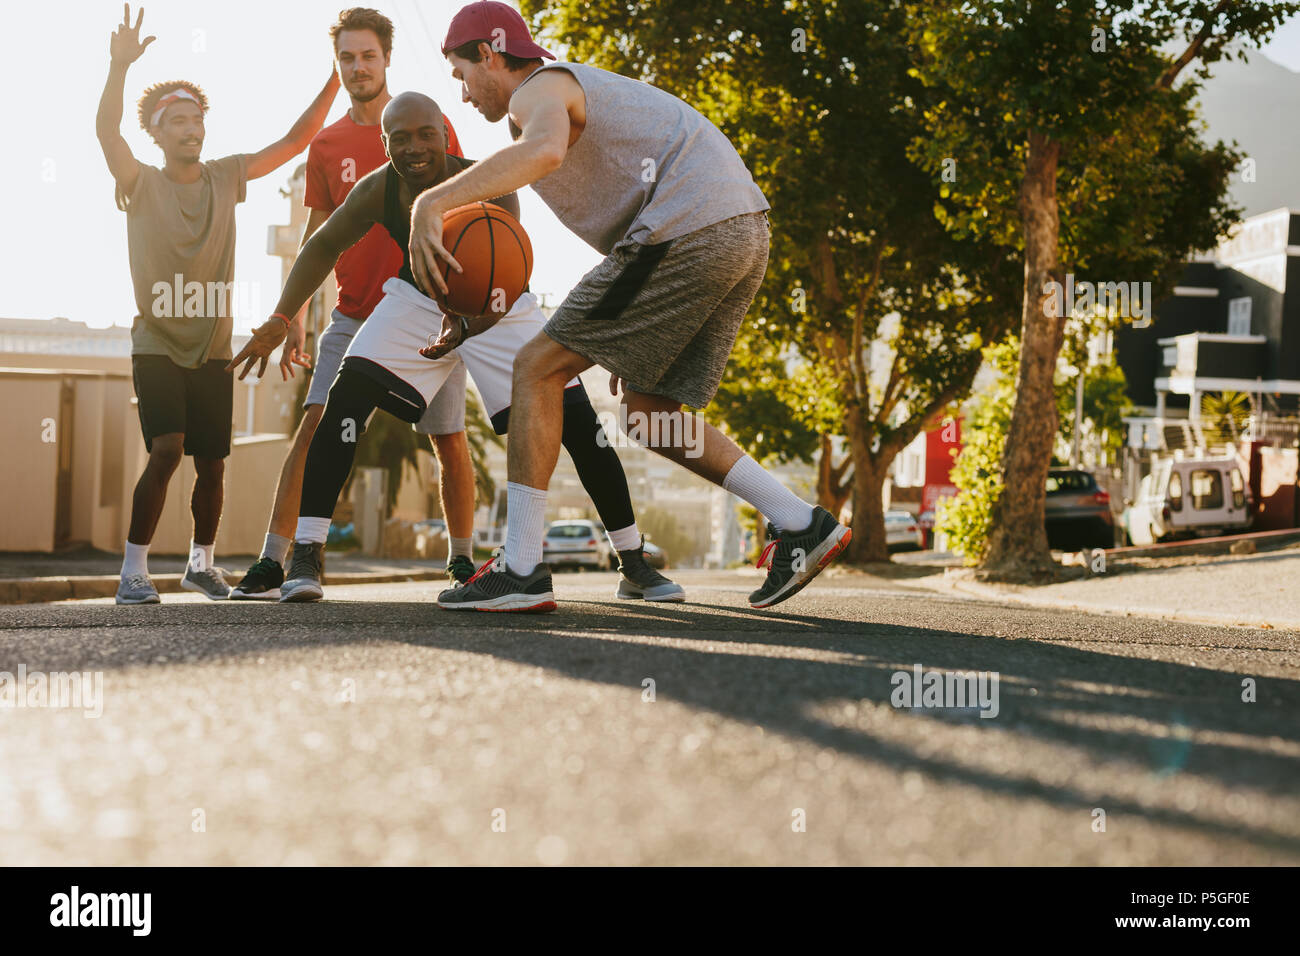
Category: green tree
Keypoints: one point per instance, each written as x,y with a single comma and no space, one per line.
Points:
880,312
1072,142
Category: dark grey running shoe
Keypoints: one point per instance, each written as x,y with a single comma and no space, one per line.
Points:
303,582
798,557
261,582
494,587
460,569
640,582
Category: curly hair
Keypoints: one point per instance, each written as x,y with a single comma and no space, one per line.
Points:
364,18
149,100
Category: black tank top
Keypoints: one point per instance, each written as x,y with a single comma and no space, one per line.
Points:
398,220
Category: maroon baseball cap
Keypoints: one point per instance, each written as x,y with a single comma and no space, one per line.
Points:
480,21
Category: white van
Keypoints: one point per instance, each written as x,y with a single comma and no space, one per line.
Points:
1189,497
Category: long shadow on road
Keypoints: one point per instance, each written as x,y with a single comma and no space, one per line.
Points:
1114,706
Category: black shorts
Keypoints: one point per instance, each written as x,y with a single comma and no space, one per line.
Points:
198,402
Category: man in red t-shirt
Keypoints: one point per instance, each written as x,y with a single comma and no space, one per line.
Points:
340,155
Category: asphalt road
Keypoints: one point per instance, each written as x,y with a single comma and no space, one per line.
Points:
375,728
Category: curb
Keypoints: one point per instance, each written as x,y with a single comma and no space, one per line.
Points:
43,590
1221,545
988,592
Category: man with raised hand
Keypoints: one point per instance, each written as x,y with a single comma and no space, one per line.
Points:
180,231
340,155
659,190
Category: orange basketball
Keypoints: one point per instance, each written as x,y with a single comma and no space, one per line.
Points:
493,249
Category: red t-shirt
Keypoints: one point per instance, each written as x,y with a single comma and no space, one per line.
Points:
339,155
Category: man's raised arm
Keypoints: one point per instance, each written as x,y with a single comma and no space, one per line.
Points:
298,138
124,48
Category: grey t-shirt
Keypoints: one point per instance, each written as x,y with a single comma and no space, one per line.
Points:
647,168
181,242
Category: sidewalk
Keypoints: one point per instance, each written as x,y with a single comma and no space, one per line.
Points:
33,578
1255,590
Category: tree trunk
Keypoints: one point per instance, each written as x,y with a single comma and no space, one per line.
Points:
1017,546
868,521
832,492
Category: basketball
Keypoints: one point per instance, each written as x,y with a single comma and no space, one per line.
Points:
493,249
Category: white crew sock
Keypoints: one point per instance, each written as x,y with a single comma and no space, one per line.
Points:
312,530
625,539
276,548
460,546
750,481
525,523
135,560
201,555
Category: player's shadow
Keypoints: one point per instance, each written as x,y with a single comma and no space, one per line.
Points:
1156,717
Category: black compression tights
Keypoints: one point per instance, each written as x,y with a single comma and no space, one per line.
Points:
598,467
353,399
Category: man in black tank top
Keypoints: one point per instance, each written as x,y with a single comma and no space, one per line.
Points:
378,370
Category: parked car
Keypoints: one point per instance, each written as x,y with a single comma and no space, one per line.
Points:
1078,511
1189,497
902,530
580,544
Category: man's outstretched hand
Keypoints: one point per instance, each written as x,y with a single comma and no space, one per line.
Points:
124,45
266,337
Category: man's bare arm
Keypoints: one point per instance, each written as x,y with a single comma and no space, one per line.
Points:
124,48
272,157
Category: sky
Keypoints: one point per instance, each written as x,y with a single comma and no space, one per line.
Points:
63,249
261,63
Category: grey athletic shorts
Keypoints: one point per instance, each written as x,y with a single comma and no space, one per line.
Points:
664,317
445,414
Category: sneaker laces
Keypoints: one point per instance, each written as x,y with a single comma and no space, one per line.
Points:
138,581
490,565
263,565
771,546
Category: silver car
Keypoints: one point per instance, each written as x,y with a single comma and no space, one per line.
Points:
580,544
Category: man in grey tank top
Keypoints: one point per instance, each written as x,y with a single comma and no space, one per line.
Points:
660,191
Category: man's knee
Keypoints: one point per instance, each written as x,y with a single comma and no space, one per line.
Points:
166,452
450,449
543,358
209,470
311,417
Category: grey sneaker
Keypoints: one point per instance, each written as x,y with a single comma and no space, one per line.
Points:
303,582
137,589
640,582
494,587
798,557
210,582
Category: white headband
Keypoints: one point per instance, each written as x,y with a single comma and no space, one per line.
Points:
168,100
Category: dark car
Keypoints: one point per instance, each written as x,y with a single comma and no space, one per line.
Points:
1078,511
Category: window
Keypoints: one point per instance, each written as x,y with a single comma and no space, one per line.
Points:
1239,316
1170,359
1207,490
1176,491
1238,489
